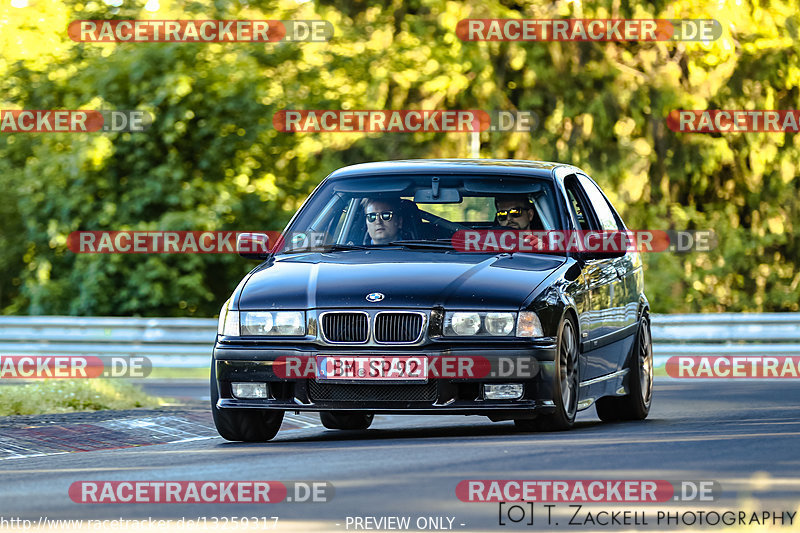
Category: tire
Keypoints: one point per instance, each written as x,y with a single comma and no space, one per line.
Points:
246,425
566,384
636,404
345,420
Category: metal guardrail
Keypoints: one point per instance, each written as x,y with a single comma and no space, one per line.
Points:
749,334
167,342
187,342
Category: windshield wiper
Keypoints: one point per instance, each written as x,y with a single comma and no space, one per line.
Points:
437,244
327,248
440,244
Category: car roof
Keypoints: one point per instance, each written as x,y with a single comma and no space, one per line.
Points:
518,167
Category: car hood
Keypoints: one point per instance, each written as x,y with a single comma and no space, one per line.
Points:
407,279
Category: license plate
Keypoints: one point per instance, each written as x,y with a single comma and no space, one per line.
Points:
400,368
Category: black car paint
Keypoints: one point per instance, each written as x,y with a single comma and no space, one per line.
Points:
429,278
605,296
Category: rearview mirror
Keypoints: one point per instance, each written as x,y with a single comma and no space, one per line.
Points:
439,196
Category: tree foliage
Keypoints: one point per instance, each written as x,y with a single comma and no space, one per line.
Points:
213,160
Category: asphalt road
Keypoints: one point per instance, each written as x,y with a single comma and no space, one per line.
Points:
741,434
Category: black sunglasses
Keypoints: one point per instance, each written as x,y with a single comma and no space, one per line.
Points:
515,212
385,215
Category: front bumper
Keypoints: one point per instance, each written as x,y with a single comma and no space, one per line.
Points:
460,395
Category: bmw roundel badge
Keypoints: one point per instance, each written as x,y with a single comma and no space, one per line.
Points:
375,297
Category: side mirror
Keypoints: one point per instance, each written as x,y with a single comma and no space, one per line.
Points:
588,256
253,245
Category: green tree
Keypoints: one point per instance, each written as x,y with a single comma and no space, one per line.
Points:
212,159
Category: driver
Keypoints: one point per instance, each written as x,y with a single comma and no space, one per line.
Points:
384,220
514,212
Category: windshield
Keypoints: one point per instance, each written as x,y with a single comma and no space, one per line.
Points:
418,211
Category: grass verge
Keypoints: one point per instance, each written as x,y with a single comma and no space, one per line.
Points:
71,395
180,373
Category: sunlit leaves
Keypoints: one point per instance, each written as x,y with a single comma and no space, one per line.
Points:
213,160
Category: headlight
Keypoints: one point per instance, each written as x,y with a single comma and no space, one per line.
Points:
290,323
228,324
256,323
465,323
528,325
499,323
492,324
274,323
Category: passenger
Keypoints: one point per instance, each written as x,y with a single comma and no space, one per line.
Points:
514,212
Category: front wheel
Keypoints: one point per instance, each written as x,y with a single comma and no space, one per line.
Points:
636,405
345,420
566,383
247,425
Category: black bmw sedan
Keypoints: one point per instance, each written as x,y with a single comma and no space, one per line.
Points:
422,287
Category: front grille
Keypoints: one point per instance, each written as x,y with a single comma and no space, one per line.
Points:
345,327
372,393
398,327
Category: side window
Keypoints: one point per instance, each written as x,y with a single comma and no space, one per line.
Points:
577,203
606,218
